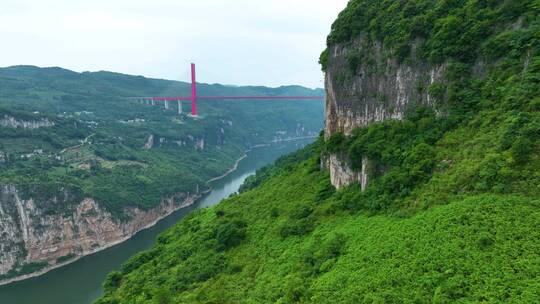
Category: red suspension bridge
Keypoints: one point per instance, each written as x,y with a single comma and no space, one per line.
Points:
194,97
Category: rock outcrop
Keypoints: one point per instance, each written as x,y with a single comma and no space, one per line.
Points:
361,93
149,142
30,232
341,173
12,122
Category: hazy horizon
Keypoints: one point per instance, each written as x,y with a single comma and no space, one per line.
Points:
199,81
236,43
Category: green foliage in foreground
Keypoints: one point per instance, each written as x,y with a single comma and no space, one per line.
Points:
291,241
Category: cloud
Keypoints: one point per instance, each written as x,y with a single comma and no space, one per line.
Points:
236,42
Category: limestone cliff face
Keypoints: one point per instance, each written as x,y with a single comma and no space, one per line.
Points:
362,90
373,91
29,232
12,122
341,174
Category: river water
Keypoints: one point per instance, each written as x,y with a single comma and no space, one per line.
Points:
80,282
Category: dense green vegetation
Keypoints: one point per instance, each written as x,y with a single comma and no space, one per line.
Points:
460,30
290,240
485,139
451,212
95,147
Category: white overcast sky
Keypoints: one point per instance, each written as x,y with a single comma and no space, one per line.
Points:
243,42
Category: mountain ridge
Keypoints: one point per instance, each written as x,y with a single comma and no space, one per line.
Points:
112,73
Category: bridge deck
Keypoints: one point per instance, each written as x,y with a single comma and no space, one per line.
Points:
238,98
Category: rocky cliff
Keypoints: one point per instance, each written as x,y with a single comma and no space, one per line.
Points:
341,173
12,122
30,234
367,83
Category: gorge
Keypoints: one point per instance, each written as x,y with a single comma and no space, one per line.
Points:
422,187
83,168
66,285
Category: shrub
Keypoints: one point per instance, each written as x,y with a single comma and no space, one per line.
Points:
354,58
65,258
139,259
521,149
437,91
323,60
274,212
326,192
296,227
335,143
229,234
162,296
32,267
112,281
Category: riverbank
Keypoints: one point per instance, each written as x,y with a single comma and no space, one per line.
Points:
282,140
81,282
235,166
187,202
192,199
231,170
183,205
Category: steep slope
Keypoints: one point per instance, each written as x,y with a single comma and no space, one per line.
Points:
432,139
293,239
82,167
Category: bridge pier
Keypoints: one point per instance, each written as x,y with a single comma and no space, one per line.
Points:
194,111
194,97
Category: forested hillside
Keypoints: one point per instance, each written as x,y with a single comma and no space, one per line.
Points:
294,239
432,137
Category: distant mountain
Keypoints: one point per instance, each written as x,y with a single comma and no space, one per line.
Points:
74,149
